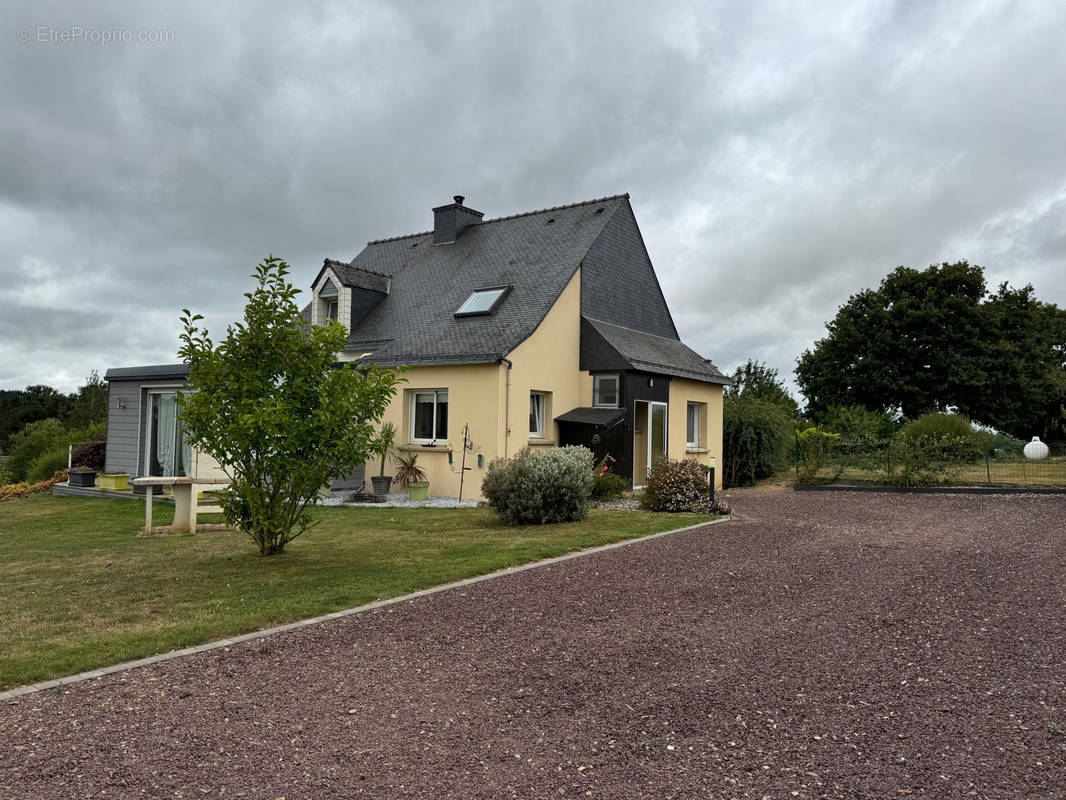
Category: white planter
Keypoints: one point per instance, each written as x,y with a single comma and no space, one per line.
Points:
1036,450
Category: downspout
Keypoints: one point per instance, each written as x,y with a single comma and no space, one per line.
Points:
507,408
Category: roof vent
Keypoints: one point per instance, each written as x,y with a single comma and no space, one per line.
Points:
451,220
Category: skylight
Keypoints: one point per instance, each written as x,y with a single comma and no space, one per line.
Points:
482,301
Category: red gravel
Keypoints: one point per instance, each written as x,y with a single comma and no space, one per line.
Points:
822,645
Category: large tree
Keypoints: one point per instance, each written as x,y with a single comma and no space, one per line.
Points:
932,340
270,404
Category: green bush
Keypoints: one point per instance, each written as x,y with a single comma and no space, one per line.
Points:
937,424
675,485
541,487
815,452
33,441
858,423
47,464
608,486
757,440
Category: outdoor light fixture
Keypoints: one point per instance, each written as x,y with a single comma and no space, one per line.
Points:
121,402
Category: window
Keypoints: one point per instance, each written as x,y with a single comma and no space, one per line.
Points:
605,390
482,301
328,302
692,435
429,415
537,404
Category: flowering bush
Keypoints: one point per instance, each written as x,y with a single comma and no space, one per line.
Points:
676,485
541,487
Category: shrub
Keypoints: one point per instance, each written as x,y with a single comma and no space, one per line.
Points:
89,454
675,485
47,464
13,491
857,422
814,452
32,441
541,487
608,486
757,440
937,424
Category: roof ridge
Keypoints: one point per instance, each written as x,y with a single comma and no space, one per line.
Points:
624,195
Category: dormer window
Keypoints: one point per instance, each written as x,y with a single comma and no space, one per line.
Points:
483,301
329,301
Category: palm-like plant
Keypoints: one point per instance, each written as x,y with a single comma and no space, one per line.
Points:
408,471
384,444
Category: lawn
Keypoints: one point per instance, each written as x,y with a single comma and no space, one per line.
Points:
81,590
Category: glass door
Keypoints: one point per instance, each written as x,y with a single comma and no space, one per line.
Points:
167,454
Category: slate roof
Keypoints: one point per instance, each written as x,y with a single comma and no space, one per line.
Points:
590,415
646,352
356,277
535,253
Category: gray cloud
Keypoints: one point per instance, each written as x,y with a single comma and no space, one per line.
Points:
779,159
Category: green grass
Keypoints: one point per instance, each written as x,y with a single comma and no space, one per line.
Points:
80,590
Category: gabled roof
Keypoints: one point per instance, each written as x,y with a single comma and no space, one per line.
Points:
536,254
610,347
353,277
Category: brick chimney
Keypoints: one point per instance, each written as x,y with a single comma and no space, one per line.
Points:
451,220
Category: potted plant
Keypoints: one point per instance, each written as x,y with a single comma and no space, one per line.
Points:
81,476
411,477
383,446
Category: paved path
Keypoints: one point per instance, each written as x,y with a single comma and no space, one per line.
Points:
822,645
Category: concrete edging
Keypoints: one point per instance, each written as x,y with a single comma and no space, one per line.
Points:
934,489
376,604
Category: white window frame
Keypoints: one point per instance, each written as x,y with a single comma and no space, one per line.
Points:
596,380
439,395
333,309
538,399
693,441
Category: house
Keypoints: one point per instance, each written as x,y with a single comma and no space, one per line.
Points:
534,330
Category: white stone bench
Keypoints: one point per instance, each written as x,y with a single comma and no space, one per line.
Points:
185,499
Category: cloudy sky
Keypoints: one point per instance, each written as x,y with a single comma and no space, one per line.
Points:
779,156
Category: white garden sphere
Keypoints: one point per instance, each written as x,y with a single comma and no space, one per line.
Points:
1036,450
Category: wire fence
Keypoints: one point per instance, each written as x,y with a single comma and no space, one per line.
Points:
932,461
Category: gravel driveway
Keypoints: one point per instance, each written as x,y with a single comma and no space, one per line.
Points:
822,645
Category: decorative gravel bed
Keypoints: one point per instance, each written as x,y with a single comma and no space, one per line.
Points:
831,645
400,499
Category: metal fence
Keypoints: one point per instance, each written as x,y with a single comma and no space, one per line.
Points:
896,462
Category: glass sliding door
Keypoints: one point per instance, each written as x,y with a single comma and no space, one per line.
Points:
649,438
167,453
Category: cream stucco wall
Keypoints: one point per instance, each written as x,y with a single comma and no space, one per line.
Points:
474,397
549,361
682,392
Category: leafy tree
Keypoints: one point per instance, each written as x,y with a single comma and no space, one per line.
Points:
19,407
754,379
926,341
276,412
89,403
